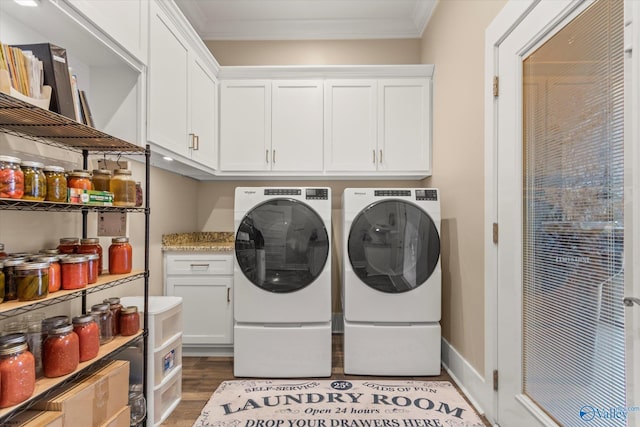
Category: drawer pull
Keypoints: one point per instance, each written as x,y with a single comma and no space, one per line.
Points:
228,294
199,265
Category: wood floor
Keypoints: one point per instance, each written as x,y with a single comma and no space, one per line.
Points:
202,375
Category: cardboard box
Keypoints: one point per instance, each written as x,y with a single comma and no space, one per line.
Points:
121,419
94,400
89,197
35,419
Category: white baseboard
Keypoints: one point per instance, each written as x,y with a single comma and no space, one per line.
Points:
206,351
474,386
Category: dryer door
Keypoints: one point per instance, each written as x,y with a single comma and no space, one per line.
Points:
393,246
282,245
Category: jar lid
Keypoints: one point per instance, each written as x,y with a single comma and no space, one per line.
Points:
102,172
28,164
1,246
19,255
48,258
62,329
12,262
73,259
9,159
12,349
120,240
92,257
100,307
129,310
68,240
32,266
89,241
54,169
82,319
80,174
50,252
15,338
112,300
55,321
122,172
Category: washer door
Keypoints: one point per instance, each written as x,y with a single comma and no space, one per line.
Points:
282,245
393,246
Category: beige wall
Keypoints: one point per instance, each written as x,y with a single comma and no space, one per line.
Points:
314,52
454,42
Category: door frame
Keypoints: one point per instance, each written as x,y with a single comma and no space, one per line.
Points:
500,28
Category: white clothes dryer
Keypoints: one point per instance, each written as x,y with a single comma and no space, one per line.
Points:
282,282
392,286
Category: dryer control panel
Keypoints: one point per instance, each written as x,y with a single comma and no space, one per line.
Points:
282,192
316,194
428,194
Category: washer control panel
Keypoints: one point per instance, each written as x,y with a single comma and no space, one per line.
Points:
392,193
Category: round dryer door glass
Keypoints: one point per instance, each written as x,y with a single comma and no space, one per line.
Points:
282,245
393,246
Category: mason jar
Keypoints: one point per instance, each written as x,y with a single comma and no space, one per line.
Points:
56,184
101,179
123,188
11,178
35,182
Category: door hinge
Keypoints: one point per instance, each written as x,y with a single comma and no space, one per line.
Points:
495,380
495,232
496,86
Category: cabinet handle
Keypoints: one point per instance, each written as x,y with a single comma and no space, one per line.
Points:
380,158
273,156
374,156
192,137
266,156
199,265
228,294
196,139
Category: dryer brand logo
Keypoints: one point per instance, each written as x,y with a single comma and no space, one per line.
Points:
359,193
249,192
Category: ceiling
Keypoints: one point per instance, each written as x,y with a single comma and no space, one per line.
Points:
307,19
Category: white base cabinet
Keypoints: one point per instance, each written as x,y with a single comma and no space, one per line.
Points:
205,284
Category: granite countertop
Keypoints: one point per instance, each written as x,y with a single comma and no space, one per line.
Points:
207,241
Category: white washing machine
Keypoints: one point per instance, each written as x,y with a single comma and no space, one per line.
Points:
282,282
391,288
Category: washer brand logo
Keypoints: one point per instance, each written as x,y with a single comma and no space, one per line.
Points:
359,193
250,192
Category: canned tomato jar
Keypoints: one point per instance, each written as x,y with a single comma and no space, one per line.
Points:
11,178
129,321
17,374
74,272
69,245
79,179
54,271
116,310
88,336
61,352
91,245
120,256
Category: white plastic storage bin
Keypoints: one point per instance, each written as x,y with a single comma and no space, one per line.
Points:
167,396
164,355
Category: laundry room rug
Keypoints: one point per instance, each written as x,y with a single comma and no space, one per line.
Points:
337,403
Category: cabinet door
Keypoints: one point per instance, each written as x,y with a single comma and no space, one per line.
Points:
296,140
245,125
168,67
203,113
124,21
207,309
404,125
350,125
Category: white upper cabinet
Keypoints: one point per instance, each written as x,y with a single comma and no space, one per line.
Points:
124,21
182,92
296,137
168,70
404,125
245,125
350,125
203,114
333,122
271,126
